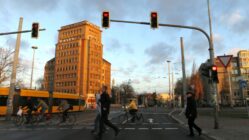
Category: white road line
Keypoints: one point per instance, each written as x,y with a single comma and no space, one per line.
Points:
156,128
167,123
143,128
171,128
129,128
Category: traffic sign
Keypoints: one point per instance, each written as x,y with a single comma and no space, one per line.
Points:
225,60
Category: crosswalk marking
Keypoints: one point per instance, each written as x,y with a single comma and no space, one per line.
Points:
129,128
156,128
143,128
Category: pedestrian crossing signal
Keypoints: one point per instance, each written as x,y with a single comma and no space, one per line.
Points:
153,20
105,19
35,30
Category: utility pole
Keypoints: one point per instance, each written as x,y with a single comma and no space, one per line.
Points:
213,84
31,80
172,85
169,75
184,82
9,110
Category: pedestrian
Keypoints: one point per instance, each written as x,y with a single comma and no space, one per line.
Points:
105,109
191,113
98,114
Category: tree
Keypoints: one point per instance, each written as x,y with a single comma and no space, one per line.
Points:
195,81
5,64
6,59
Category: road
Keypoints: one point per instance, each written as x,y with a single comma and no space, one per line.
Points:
160,127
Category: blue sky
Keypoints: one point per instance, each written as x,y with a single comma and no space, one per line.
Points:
136,51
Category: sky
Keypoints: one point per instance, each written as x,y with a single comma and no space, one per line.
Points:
137,52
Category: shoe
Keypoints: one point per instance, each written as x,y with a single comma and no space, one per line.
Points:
200,132
191,135
116,132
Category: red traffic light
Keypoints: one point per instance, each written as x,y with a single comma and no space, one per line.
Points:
105,19
214,68
153,20
105,14
154,15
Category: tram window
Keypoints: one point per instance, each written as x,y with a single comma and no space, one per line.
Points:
3,100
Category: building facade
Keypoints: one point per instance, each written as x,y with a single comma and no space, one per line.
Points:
228,88
49,74
243,62
79,60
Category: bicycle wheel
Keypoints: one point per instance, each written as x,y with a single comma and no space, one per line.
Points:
123,118
71,119
18,120
56,119
140,118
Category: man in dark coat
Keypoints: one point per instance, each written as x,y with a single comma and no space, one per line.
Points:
191,113
105,109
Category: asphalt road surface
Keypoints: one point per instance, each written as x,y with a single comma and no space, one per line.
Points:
157,125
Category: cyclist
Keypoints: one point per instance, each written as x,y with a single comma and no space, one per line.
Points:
65,107
30,107
43,106
132,107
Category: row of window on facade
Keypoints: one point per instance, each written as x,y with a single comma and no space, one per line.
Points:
95,84
72,32
66,68
62,76
67,83
244,70
244,64
244,55
68,46
67,90
95,61
67,60
66,53
70,39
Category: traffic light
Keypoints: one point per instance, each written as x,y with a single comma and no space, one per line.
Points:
105,19
215,74
35,30
153,20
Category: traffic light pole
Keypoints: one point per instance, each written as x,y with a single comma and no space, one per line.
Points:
211,53
18,32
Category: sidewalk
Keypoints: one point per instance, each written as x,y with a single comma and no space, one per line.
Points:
229,129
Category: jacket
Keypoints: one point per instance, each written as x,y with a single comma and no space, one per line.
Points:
105,101
132,105
191,110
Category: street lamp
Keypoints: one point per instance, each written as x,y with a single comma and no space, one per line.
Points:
31,80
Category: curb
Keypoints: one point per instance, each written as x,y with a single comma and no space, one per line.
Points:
204,133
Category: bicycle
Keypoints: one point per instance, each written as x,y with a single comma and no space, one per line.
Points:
70,119
126,117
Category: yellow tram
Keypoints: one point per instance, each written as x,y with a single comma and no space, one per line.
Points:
76,101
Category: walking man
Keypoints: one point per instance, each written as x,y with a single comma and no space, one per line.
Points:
105,109
191,114
98,114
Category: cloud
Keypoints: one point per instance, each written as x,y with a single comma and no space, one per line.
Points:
114,46
234,51
11,42
159,52
236,21
32,5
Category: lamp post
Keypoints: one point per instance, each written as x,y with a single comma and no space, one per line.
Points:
31,80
